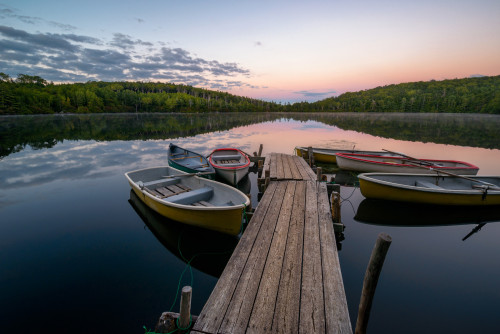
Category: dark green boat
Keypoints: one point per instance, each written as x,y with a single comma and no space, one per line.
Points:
189,162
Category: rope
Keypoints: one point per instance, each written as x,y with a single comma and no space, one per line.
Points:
188,265
348,197
245,218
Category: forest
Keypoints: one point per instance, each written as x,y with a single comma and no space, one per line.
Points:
34,95
27,95
470,95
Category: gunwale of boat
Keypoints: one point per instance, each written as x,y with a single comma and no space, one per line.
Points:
221,166
186,179
176,163
374,159
446,179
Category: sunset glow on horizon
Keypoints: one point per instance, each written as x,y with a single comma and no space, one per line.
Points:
283,51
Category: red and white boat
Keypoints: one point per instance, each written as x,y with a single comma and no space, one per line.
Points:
231,164
405,164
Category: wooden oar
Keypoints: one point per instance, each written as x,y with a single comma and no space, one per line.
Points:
185,175
411,158
440,171
491,185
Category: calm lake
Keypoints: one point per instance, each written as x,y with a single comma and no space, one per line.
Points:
80,254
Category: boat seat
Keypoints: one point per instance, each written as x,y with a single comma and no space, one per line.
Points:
202,203
231,165
226,157
159,183
196,195
427,184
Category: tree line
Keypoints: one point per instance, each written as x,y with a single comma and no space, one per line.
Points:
34,95
470,95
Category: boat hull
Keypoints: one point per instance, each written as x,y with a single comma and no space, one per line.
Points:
391,187
226,219
230,171
391,164
326,155
190,162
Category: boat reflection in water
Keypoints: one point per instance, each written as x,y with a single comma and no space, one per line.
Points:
392,213
205,250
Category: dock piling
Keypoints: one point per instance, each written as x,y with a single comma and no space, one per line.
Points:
185,313
310,156
370,282
319,172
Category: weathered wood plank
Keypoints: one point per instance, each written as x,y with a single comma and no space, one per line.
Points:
176,189
286,316
301,168
336,311
214,310
266,166
261,318
312,312
287,173
164,191
309,171
293,167
240,308
280,173
274,166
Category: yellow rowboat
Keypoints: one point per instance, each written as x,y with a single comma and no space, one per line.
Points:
431,189
190,199
328,155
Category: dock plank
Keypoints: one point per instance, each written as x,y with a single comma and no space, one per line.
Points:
286,316
301,168
336,311
214,310
280,173
273,166
312,313
287,173
293,167
242,304
261,318
307,169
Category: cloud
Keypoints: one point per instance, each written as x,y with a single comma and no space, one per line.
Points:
70,57
315,94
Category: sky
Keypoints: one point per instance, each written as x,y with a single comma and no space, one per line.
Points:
282,51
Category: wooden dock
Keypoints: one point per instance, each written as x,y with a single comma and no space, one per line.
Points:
284,276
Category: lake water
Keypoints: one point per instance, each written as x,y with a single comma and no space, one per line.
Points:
79,254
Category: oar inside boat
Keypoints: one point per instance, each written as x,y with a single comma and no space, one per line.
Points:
420,162
489,185
185,175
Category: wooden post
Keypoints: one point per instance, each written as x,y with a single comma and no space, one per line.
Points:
335,202
266,183
319,173
260,163
310,156
185,314
370,282
260,150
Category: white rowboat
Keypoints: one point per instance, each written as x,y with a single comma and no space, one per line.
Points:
230,164
395,164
